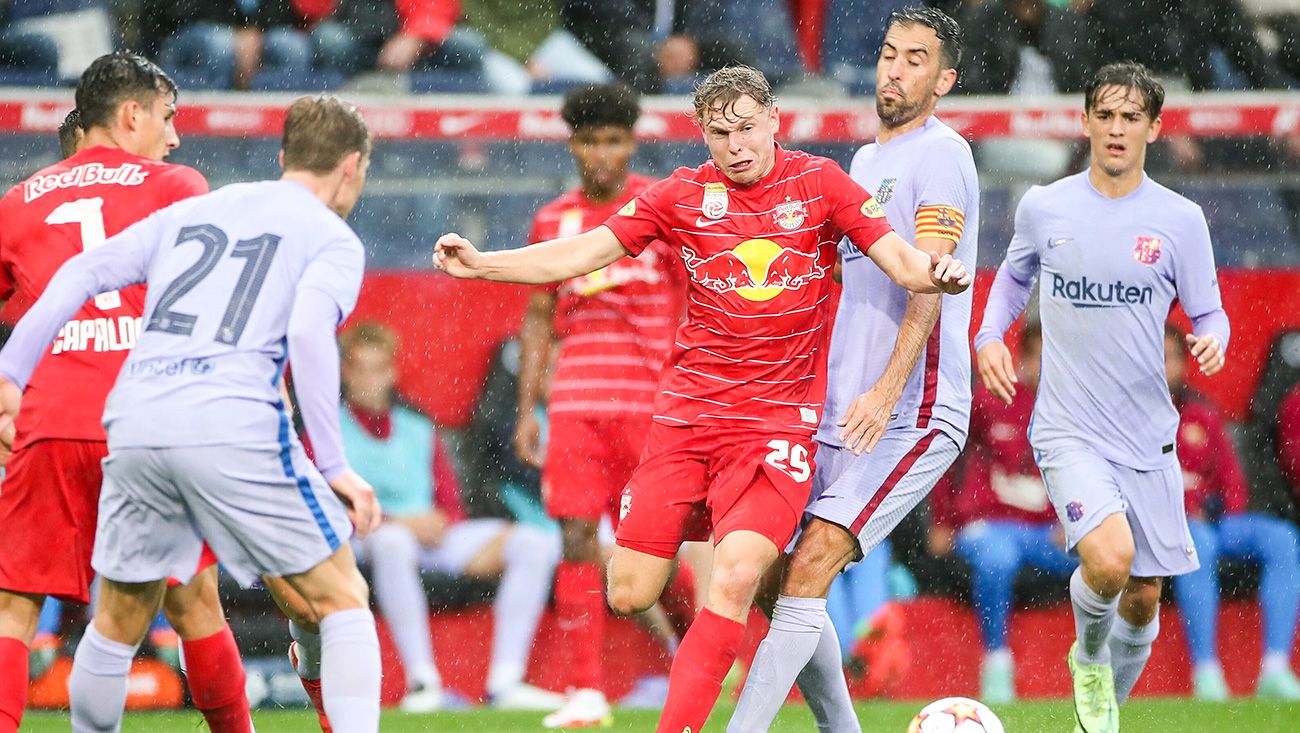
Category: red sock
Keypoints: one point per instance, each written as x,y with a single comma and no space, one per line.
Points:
703,659
216,679
678,599
580,608
13,683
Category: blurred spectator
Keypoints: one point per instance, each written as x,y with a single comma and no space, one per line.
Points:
1180,37
60,37
997,507
529,45
1288,439
1216,495
397,36
1025,47
853,31
664,45
425,528
222,43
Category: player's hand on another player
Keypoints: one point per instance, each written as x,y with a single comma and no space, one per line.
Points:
949,274
866,419
359,497
1208,352
996,370
11,399
457,256
528,440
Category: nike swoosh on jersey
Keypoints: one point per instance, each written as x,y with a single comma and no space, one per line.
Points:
702,222
1058,241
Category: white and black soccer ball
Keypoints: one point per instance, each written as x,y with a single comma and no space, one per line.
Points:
955,715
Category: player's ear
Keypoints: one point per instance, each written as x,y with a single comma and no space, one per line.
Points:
281,159
947,80
351,165
1154,131
128,114
776,119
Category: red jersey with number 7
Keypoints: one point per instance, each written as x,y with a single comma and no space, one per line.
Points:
752,351
64,209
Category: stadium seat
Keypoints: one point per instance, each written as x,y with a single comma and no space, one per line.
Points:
293,79
447,81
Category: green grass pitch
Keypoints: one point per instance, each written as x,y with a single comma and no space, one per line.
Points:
1141,716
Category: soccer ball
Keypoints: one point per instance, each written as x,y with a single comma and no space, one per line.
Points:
955,715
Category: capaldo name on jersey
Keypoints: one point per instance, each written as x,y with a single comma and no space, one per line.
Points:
90,174
1091,294
98,334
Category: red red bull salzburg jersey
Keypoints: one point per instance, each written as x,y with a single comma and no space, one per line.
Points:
69,207
616,324
752,351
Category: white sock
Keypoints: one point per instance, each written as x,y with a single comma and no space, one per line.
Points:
394,557
824,687
1130,648
1274,663
350,670
1209,667
308,651
796,631
530,556
1093,616
98,682
998,658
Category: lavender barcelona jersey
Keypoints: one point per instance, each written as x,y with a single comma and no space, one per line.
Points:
1109,271
222,282
928,167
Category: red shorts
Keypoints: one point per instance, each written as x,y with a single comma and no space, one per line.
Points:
49,503
589,462
697,481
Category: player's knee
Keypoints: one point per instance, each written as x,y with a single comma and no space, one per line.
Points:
1141,601
821,553
734,586
394,544
581,540
626,599
1107,568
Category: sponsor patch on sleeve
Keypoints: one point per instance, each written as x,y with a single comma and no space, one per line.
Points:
944,222
628,209
872,209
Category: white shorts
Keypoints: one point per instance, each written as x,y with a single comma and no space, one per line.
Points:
263,509
461,543
868,495
1085,489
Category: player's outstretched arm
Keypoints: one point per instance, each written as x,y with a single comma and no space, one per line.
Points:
917,271
548,262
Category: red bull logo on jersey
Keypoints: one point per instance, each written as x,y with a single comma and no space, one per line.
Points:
790,215
89,174
1147,250
756,269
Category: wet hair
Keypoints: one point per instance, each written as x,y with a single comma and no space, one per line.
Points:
115,78
601,105
1032,331
320,131
70,133
368,333
726,85
947,30
1126,75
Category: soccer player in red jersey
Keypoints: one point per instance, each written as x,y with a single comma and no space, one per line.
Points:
730,449
615,328
49,505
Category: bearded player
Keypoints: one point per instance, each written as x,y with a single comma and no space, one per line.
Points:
894,421
49,504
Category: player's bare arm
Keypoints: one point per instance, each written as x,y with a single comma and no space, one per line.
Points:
913,269
869,414
535,338
548,262
1208,351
